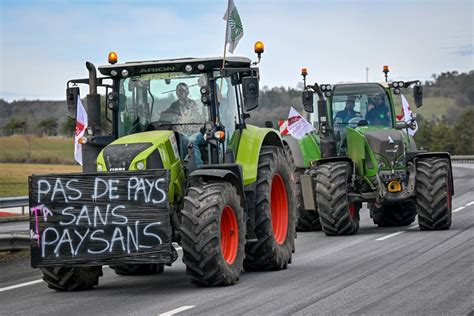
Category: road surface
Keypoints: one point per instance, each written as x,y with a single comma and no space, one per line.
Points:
379,271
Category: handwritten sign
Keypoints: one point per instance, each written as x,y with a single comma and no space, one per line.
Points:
100,218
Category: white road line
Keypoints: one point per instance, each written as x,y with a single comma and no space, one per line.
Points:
470,203
176,310
458,209
389,236
19,285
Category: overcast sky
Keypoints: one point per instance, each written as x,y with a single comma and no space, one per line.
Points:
45,43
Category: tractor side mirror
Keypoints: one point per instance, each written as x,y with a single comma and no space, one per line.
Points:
250,92
418,95
71,100
307,98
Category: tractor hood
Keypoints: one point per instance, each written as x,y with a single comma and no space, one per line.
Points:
388,147
148,150
376,148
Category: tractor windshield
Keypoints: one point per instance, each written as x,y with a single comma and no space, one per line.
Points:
360,104
162,99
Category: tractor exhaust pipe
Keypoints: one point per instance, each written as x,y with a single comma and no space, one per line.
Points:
90,151
92,78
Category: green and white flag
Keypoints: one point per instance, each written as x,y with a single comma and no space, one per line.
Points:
235,30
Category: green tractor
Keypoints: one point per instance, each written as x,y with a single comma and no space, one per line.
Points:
230,195
361,153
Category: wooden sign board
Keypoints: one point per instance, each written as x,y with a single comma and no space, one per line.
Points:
100,218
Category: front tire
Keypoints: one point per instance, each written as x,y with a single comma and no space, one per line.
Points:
433,193
213,234
72,278
338,216
275,214
392,215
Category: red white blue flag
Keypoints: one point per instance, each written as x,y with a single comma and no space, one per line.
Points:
81,126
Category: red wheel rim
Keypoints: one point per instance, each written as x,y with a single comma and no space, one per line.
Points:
279,208
229,234
352,210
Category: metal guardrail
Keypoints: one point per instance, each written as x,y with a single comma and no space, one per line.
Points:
14,241
17,201
463,159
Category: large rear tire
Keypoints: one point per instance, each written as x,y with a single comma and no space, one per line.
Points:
392,215
72,278
337,215
275,214
433,193
213,234
138,269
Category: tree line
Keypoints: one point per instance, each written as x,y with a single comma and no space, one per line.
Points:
453,132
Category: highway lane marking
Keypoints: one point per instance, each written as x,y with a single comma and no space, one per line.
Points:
390,236
177,310
20,285
458,209
470,203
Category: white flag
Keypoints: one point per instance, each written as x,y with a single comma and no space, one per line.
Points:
407,115
234,30
298,126
81,125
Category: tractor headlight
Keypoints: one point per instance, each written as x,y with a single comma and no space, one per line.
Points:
395,84
124,73
188,68
140,165
100,167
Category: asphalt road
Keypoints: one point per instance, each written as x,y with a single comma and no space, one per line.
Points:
379,271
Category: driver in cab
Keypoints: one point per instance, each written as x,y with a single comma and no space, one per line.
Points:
348,113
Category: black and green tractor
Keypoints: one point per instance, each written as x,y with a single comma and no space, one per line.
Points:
360,153
178,164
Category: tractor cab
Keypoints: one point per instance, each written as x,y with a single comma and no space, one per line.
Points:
201,100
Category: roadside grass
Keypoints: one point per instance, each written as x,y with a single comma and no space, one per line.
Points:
433,108
14,176
36,149
13,254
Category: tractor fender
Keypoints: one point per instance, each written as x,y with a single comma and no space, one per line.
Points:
231,173
251,141
294,147
440,155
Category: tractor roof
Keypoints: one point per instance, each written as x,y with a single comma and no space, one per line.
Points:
178,64
358,88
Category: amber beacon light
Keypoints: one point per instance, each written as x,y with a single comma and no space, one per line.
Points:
113,58
304,71
259,47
